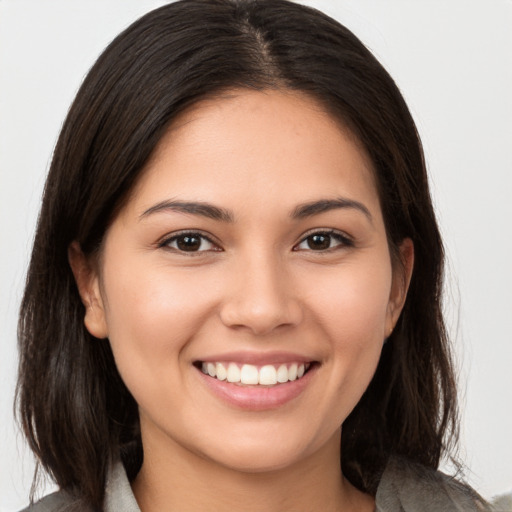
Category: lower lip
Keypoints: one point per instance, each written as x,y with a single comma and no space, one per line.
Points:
258,398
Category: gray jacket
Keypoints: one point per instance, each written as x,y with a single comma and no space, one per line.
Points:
404,487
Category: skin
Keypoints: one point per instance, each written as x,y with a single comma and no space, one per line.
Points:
258,287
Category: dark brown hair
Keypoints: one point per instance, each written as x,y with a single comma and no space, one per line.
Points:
75,410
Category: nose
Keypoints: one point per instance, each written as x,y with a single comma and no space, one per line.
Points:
262,297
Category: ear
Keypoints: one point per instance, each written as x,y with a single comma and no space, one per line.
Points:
88,283
402,273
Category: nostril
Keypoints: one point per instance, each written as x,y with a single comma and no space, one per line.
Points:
260,319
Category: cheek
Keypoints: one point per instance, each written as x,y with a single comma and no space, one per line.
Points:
352,311
352,303
151,315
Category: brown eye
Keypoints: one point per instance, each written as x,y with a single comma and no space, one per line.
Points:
324,241
319,241
189,242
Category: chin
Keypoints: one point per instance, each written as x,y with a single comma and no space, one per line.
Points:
269,453
257,461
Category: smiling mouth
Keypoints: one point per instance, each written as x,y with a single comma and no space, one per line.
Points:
252,375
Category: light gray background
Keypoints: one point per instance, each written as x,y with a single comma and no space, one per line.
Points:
453,61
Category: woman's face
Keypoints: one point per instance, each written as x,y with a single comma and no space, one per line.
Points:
253,249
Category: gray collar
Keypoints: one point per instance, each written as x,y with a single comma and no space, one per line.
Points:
118,493
404,487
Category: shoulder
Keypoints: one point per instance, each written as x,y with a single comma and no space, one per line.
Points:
59,501
502,503
118,496
410,487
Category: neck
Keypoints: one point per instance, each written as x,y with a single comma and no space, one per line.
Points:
178,479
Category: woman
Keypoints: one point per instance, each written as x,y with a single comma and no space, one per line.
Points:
236,278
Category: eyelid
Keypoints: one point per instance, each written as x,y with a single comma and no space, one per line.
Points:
345,239
170,237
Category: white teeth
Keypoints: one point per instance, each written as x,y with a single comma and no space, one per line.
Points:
267,375
211,369
222,373
282,374
249,374
292,372
233,373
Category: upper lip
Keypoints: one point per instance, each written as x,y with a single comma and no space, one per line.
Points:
258,358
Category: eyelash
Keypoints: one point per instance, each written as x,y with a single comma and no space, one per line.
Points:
343,241
166,243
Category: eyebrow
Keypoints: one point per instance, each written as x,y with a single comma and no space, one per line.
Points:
324,205
301,211
191,207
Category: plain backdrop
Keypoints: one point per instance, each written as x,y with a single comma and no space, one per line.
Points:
453,61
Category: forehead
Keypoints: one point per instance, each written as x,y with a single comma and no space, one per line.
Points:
258,147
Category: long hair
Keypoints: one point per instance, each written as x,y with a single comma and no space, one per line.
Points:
75,410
